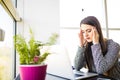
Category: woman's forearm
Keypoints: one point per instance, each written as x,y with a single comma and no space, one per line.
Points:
79,60
104,63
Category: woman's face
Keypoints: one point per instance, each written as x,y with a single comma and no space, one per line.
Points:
87,32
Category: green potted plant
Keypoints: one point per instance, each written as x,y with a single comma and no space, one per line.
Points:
30,56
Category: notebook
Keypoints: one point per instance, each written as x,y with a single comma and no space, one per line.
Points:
59,64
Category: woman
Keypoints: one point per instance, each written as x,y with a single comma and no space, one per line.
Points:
100,55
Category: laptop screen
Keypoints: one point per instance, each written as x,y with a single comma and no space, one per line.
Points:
59,64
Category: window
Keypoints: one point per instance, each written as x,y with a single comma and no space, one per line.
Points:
6,46
113,19
8,18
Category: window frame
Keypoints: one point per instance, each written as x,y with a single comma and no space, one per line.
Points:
10,8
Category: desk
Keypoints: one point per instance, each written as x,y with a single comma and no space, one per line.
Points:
48,77
51,77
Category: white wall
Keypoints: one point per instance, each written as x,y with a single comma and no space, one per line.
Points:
41,15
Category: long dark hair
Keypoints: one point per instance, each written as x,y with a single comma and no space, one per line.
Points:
93,21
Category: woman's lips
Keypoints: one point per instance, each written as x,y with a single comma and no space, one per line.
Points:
87,38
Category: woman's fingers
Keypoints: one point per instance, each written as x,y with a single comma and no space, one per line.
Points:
95,36
81,39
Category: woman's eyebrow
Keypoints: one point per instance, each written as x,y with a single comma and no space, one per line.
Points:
88,29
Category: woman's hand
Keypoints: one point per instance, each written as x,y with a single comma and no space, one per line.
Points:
95,36
81,39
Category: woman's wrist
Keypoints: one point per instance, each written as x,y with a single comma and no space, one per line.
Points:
80,46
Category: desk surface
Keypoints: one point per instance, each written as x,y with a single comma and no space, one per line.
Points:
51,77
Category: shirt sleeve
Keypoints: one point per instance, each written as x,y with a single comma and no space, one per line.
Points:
104,63
79,60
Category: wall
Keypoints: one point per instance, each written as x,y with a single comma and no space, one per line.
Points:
41,15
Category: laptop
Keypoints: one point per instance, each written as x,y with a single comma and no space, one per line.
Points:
59,65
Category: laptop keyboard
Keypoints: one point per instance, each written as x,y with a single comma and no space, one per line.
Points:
77,75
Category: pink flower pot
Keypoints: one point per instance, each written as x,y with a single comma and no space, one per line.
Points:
33,72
